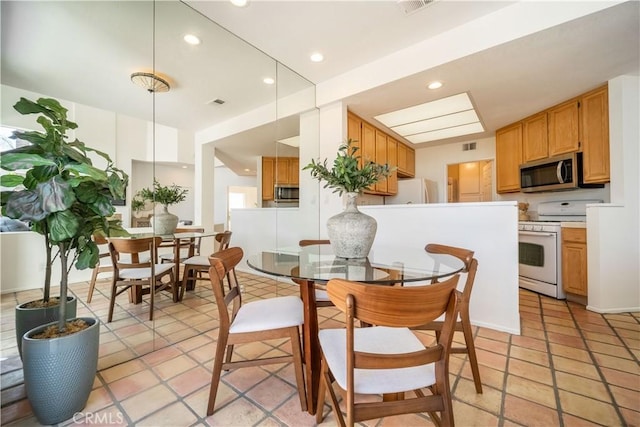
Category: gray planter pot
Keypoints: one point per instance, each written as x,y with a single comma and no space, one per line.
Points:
29,318
164,222
351,232
59,372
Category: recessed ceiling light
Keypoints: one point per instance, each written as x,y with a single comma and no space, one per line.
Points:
435,85
239,3
247,170
268,80
185,167
191,39
317,57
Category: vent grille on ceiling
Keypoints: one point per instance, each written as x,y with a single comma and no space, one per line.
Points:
411,6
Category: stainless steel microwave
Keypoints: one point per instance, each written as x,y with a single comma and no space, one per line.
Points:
286,193
553,174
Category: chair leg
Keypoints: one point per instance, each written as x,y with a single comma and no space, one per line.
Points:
185,277
471,349
322,386
92,284
297,366
217,371
112,300
227,358
152,293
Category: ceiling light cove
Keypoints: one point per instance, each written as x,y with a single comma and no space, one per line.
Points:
436,120
240,3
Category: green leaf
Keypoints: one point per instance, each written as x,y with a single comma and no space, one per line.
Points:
88,257
56,195
103,206
86,192
85,169
62,226
11,180
25,206
17,161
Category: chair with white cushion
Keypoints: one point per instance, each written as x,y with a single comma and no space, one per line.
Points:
188,247
196,265
262,320
104,262
388,359
322,299
135,263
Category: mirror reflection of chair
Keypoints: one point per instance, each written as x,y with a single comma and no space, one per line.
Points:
188,247
388,359
196,265
322,299
135,264
262,320
104,262
463,323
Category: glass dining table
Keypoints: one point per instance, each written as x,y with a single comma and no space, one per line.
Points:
316,264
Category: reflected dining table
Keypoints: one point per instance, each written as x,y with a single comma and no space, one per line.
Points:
385,265
179,240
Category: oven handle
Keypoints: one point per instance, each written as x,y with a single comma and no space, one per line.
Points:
536,233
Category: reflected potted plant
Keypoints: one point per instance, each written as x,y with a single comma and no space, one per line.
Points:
55,188
165,222
351,232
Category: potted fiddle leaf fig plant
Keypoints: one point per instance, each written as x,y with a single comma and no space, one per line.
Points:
54,186
351,232
165,222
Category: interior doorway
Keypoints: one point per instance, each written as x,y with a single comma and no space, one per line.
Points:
240,198
470,182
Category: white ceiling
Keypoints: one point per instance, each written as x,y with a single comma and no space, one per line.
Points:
85,52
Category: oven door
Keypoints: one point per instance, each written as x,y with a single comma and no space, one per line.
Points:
537,253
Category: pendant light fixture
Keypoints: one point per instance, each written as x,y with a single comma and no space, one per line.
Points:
150,82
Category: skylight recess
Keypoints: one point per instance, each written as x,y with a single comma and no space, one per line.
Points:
440,119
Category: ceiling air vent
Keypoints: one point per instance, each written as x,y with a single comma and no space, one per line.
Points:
412,6
216,101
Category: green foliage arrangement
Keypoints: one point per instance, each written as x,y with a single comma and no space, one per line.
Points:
346,175
62,195
165,195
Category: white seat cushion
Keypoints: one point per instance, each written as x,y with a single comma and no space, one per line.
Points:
200,260
270,313
144,273
322,295
184,253
378,339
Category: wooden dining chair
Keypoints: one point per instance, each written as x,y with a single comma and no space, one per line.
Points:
262,320
134,270
104,262
388,359
187,247
196,265
322,299
463,322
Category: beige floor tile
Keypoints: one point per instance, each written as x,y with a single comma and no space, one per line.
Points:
493,360
177,414
624,365
564,364
531,371
121,371
148,401
491,345
190,381
174,366
240,412
533,356
528,342
531,390
573,421
489,377
589,409
570,352
632,418
271,392
470,416
581,385
490,399
133,384
525,412
609,349
622,379
627,398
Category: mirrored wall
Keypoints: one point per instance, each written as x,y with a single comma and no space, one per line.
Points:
228,105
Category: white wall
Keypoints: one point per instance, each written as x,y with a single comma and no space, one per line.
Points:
490,229
613,230
225,178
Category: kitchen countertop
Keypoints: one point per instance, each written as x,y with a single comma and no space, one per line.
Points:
573,224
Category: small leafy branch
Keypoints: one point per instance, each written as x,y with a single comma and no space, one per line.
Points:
346,175
165,195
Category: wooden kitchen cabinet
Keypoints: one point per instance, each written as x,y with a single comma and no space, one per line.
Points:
268,177
535,144
392,158
594,120
381,158
574,260
279,170
563,128
406,161
508,158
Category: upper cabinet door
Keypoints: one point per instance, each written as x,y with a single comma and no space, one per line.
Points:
535,144
564,128
508,158
594,108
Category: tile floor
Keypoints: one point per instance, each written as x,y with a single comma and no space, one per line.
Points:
570,367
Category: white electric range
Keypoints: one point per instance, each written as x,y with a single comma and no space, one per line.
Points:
540,245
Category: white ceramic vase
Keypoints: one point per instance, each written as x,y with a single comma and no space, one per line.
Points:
351,232
165,222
